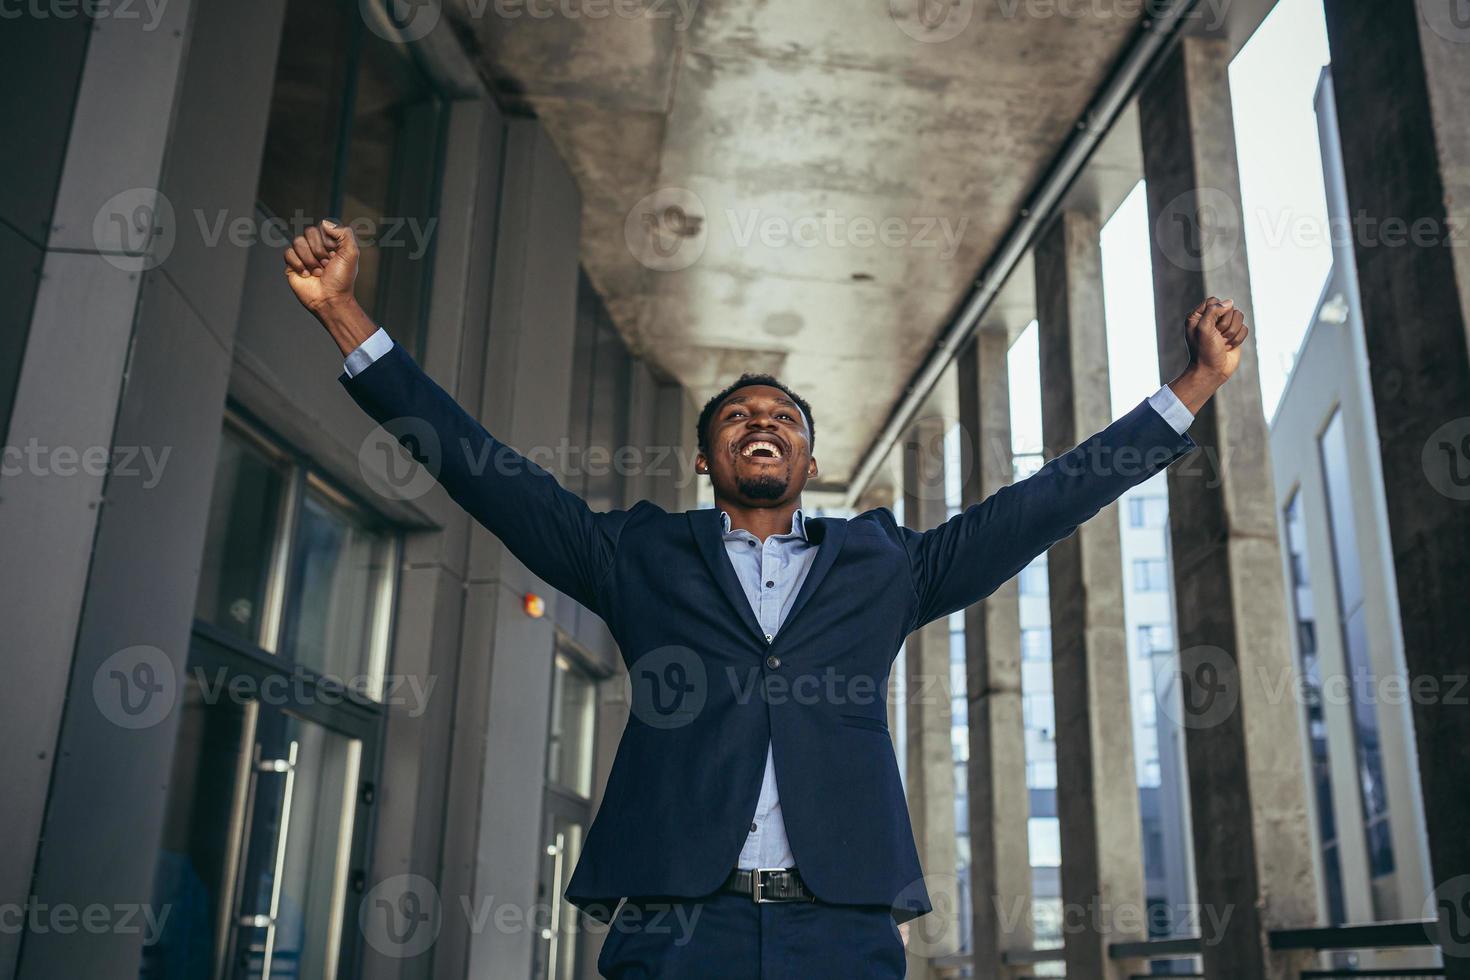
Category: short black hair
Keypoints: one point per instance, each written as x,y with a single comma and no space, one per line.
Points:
747,381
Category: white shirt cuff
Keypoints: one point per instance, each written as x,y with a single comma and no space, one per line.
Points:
1166,403
371,349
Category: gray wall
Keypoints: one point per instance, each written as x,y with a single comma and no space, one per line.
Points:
122,351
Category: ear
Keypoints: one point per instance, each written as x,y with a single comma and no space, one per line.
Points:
701,463
811,467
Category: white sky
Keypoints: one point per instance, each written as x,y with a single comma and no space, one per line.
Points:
1272,82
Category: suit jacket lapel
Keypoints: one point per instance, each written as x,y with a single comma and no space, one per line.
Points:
828,533
705,525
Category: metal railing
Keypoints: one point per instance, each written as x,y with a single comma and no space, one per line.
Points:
1408,934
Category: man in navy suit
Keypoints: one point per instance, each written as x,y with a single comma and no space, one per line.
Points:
753,824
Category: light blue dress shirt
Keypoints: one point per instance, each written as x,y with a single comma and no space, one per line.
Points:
771,573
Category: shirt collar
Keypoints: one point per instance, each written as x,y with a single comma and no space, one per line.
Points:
798,524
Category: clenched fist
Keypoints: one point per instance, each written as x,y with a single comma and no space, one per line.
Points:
1214,333
321,266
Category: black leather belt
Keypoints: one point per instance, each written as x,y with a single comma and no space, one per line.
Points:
769,885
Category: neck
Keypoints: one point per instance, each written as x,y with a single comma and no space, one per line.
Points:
760,521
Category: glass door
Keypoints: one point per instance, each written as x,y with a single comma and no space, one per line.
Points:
556,945
269,800
264,840
292,887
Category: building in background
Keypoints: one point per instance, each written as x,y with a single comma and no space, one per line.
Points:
1148,605
1373,858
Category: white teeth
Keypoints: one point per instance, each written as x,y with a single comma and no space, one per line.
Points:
752,448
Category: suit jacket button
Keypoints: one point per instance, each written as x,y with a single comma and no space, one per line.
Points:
773,661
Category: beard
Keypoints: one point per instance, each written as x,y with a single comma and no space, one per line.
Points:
765,487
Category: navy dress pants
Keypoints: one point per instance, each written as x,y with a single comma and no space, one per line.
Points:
729,937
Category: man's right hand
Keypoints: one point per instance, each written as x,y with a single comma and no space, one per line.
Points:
321,266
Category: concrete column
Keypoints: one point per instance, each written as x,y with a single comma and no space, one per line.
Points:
1402,80
507,692
1097,789
128,353
930,752
1252,834
1000,862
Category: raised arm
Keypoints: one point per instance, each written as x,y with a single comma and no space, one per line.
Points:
967,557
551,530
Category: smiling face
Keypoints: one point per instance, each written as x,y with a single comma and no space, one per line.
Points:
759,448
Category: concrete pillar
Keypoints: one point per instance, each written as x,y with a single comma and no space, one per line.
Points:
128,352
1252,834
1097,790
1000,862
1402,80
930,751
526,403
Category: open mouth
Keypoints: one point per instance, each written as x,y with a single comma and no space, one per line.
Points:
761,449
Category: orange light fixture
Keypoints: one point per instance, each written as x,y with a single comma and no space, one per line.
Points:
534,605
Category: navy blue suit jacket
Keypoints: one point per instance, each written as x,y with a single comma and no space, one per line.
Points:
709,691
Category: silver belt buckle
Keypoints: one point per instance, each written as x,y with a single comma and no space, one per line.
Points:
755,885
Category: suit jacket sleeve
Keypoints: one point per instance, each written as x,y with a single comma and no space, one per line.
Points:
969,556
548,528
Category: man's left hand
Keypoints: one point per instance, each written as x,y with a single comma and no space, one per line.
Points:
1214,332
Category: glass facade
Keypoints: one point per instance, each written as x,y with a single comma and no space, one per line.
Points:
279,730
354,134
1305,624
1347,566
1150,575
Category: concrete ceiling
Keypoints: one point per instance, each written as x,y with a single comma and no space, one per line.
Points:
736,155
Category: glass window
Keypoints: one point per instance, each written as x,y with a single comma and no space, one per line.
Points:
1036,645
1150,575
388,190
569,753
337,624
291,567
1045,837
354,134
1033,578
1301,596
1148,511
1041,774
245,516
1347,564
1155,638
298,169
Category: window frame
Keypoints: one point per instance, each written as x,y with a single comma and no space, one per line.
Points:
341,159
301,474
